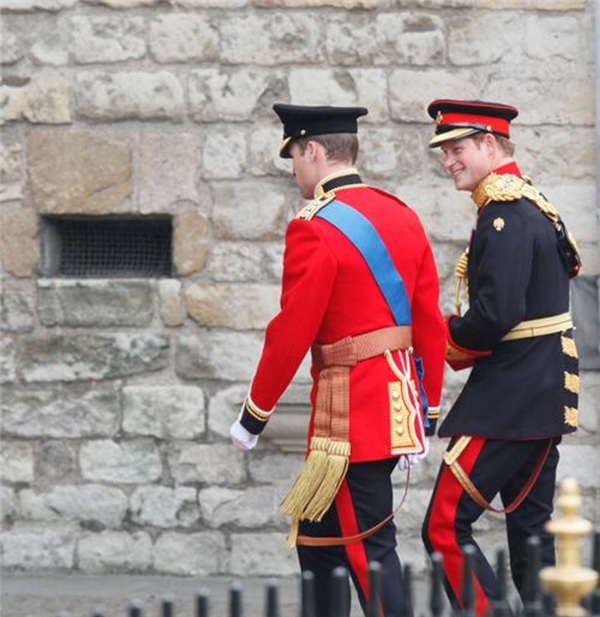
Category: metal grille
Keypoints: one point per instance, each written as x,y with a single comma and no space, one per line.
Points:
104,248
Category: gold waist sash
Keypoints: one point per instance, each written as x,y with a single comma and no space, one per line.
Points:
539,327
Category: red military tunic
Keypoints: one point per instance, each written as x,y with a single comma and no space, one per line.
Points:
328,293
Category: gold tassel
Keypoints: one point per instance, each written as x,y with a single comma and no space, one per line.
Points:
293,533
338,458
308,480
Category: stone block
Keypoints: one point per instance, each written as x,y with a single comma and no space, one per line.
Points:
541,155
589,401
575,202
107,39
396,152
122,4
17,313
11,167
8,360
224,407
250,211
367,87
171,307
42,99
9,501
245,262
190,237
435,206
79,172
162,506
37,5
181,37
12,45
16,458
196,554
168,170
270,466
39,546
89,356
223,153
55,462
336,4
253,507
60,413
411,91
262,552
133,95
224,95
209,4
228,356
361,39
206,463
263,151
94,304
278,38
166,412
237,307
50,45
89,503
527,89
19,242
531,5
126,462
108,551
578,460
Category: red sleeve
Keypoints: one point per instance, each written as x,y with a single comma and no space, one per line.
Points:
429,328
309,270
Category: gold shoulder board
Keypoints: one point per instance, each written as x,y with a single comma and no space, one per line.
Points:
308,212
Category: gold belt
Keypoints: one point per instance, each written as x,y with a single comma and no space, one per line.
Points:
539,327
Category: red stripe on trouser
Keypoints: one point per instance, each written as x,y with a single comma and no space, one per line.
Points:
356,553
441,529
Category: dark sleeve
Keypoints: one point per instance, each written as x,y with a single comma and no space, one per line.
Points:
499,273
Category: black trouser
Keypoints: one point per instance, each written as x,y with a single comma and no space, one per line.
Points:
494,467
364,499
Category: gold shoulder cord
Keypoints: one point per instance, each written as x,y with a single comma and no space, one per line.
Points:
310,210
505,187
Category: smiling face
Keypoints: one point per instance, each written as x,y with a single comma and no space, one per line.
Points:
469,160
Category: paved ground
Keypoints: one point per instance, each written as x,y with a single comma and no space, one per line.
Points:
79,595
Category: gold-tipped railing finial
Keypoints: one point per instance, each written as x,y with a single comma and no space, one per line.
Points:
569,581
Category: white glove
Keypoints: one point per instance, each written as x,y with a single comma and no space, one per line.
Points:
409,460
241,438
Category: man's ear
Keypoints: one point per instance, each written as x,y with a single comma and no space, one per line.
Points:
313,149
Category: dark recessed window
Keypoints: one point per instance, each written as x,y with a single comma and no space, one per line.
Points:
103,247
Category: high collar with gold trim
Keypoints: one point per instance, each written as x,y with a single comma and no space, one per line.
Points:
344,178
481,193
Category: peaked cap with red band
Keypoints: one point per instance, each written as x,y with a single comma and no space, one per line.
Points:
459,119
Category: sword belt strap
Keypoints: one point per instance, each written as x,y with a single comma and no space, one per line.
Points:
352,349
344,540
451,459
539,327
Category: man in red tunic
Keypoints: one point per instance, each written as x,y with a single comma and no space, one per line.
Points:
360,291
517,335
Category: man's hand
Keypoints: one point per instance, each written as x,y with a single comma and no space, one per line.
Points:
241,438
409,460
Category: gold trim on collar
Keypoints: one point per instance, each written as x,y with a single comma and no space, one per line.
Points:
319,191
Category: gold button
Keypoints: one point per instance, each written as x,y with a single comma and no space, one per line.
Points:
395,395
399,418
400,430
397,406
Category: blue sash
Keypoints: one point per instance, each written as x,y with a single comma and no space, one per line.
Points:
363,235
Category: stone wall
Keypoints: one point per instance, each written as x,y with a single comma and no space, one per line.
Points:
117,394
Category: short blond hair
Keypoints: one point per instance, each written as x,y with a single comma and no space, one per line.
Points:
504,143
338,147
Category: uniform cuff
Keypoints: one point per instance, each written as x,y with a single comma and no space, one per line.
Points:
253,418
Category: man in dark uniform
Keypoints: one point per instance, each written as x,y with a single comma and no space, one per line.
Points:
517,334
360,291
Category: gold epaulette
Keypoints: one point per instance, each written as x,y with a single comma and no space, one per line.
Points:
308,212
508,187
